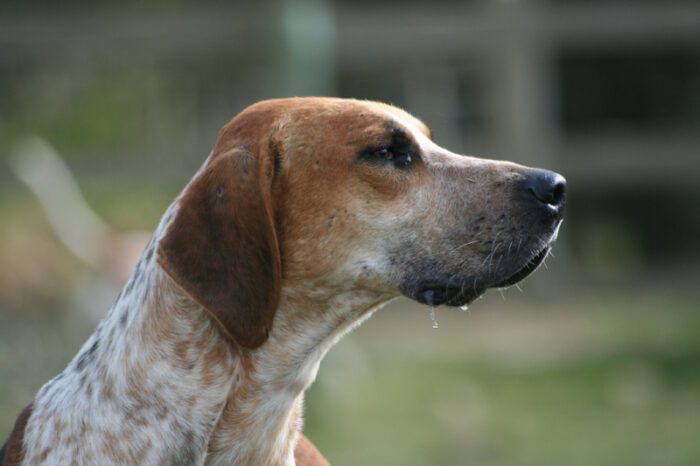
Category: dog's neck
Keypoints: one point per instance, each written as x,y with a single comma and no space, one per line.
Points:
147,387
262,418
158,362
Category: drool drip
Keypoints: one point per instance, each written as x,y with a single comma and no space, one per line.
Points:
433,318
428,296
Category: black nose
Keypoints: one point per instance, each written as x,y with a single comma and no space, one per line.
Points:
547,187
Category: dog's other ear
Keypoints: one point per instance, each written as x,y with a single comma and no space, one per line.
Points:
222,248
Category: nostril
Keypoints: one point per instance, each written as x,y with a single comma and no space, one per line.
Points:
558,192
547,187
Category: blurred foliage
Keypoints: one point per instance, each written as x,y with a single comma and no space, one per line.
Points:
101,115
612,249
116,198
48,5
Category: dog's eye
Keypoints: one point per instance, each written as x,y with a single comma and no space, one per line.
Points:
384,153
400,159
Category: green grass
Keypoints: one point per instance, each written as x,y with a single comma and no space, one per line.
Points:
624,398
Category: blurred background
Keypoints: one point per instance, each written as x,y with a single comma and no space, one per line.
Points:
595,362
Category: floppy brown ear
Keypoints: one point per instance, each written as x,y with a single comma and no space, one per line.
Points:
222,249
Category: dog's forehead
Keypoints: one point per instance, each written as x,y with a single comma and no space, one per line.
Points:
301,117
350,108
401,118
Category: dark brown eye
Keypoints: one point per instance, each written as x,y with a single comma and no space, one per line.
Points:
384,153
400,159
389,155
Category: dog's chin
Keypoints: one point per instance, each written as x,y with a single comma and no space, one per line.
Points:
442,293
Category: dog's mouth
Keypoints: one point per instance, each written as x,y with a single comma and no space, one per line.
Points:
439,293
529,267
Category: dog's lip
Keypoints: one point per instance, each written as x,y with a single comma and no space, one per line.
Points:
437,294
526,270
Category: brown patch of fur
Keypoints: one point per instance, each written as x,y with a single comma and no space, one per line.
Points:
14,453
44,454
321,140
106,390
210,359
221,248
111,446
181,350
306,454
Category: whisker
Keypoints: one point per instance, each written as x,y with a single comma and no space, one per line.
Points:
463,245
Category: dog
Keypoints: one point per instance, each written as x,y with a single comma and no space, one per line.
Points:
308,215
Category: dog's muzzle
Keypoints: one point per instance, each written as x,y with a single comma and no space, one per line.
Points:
543,194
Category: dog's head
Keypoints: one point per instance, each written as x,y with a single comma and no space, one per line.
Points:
351,195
